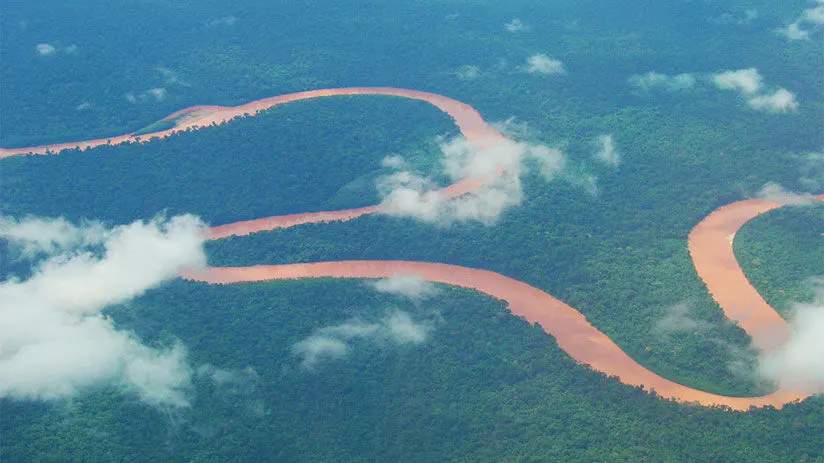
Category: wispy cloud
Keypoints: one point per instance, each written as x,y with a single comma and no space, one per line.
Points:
606,152
739,18
151,95
810,19
55,340
775,192
799,363
677,319
410,286
794,32
748,82
46,49
34,235
335,342
468,72
657,81
159,94
516,25
812,171
222,21
544,65
171,77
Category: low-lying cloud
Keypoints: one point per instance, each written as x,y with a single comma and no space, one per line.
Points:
410,286
335,342
748,82
657,81
496,169
55,340
516,25
809,20
743,80
544,65
800,361
739,18
606,152
153,94
774,192
47,49
677,319
780,101
798,364
468,72
171,77
812,171
222,21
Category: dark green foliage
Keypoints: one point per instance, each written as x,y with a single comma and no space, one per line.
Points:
781,251
485,387
302,156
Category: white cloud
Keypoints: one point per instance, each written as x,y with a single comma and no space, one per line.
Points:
813,171
542,64
152,94
811,18
468,72
34,235
55,340
45,49
317,348
410,286
794,32
743,80
739,18
496,168
228,379
516,25
677,319
394,161
607,154
333,342
224,21
407,194
171,77
775,192
159,94
800,361
780,101
814,15
748,83
403,330
655,80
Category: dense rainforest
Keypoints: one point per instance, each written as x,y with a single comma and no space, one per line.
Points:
484,386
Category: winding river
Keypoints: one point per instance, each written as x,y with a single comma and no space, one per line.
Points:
709,242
